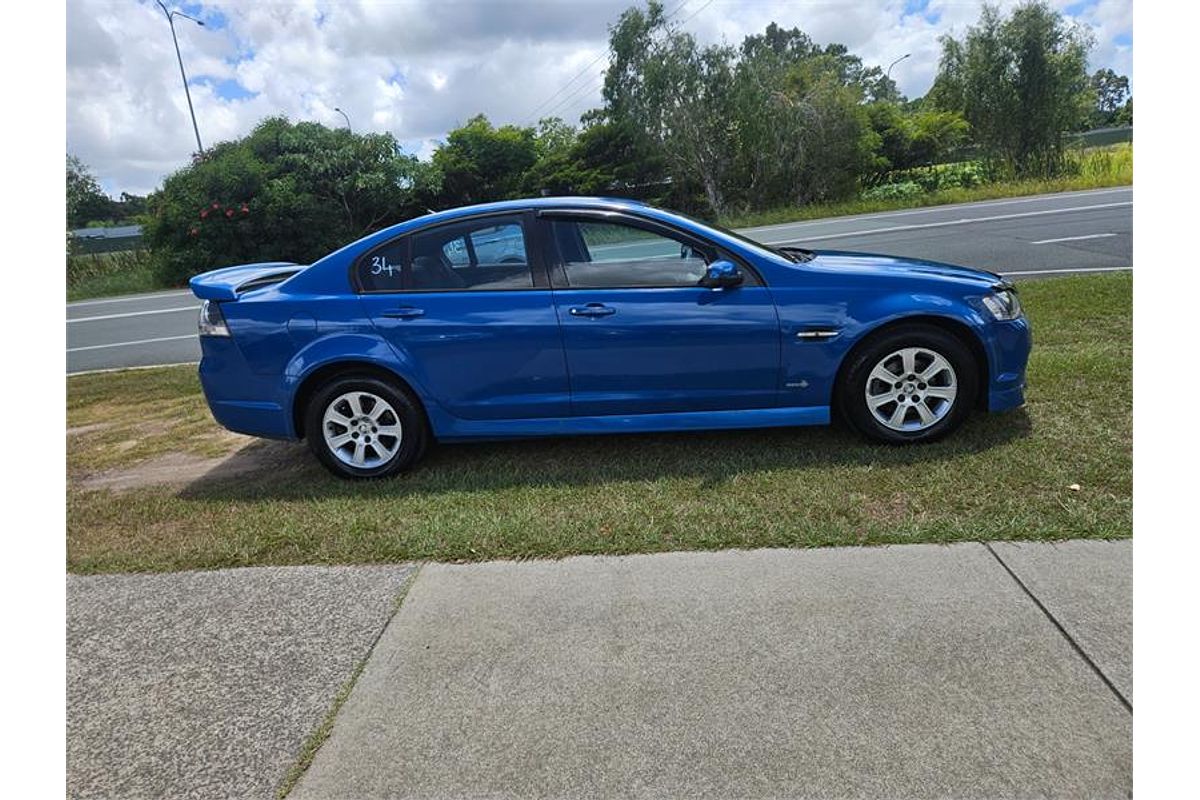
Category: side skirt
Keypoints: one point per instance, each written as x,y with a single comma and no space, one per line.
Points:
451,429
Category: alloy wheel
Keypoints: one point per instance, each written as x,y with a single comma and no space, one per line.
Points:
362,429
911,389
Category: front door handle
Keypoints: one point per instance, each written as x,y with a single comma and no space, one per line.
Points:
593,310
407,312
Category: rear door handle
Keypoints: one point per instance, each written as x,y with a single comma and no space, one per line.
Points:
407,312
593,310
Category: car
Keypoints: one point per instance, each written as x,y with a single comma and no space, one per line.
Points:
556,316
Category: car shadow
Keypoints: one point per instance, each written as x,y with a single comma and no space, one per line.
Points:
285,470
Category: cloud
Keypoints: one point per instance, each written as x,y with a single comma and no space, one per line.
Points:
417,68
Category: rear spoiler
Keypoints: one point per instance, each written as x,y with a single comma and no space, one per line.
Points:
228,283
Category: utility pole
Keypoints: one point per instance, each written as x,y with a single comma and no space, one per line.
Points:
343,113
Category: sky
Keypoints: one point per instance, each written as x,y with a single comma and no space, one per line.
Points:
419,68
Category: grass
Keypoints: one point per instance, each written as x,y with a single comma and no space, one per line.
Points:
117,420
107,274
1097,168
1003,476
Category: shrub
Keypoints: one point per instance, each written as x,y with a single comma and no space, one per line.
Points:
286,192
893,191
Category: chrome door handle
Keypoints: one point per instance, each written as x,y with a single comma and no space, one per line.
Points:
407,312
593,310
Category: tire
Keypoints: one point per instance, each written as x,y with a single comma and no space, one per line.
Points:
935,381
374,442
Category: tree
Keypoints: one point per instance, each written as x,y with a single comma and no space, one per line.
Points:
86,202
1112,94
287,191
479,163
912,139
778,120
1021,82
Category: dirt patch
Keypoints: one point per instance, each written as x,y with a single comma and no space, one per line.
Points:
177,469
79,430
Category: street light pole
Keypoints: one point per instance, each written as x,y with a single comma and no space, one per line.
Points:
171,20
343,113
888,74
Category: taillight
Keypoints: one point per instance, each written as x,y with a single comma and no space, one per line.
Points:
212,321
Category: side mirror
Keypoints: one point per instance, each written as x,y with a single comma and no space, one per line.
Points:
722,275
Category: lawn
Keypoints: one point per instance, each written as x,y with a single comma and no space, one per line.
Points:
1059,468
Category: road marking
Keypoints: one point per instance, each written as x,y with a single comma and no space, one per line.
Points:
149,296
949,222
128,369
1074,238
194,309
1080,269
126,344
934,209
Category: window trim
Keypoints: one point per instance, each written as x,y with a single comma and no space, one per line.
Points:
556,267
533,255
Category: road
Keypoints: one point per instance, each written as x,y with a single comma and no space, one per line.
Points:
1019,237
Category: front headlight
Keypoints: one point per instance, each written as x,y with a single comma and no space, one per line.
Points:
212,321
1003,304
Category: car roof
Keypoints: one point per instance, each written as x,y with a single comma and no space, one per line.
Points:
500,206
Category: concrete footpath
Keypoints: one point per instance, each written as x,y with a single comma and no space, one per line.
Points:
965,670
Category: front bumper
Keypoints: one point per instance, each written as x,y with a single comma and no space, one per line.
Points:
1009,345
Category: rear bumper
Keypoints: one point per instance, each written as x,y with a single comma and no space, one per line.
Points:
1010,343
228,383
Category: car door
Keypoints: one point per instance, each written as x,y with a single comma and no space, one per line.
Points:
467,305
641,334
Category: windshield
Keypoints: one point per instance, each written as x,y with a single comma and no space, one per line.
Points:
794,254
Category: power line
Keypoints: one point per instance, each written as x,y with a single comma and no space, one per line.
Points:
582,72
594,86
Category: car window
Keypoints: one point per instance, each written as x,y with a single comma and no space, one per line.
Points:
613,255
480,255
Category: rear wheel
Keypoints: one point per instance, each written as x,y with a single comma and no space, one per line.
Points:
362,427
914,383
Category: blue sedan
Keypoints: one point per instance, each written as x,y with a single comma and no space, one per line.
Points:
558,316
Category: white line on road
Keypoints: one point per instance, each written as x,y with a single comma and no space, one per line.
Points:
194,309
946,223
935,209
151,296
1060,271
126,344
1074,238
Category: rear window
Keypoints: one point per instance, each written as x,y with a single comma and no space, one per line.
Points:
476,255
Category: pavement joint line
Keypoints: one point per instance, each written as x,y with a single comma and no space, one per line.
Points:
315,740
1070,639
949,222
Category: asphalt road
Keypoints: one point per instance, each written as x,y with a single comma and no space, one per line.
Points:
1020,237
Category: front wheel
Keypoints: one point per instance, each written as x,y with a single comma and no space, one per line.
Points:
914,383
362,427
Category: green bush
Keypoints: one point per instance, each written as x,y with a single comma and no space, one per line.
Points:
893,191
286,192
